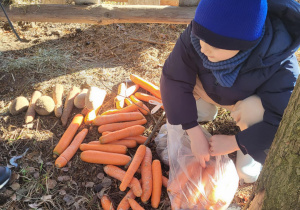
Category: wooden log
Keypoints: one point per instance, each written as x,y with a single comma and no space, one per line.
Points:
100,14
169,2
144,2
188,3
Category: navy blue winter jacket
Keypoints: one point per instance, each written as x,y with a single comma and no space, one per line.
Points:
270,72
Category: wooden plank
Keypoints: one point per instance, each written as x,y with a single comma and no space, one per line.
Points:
100,14
143,2
53,1
169,2
188,3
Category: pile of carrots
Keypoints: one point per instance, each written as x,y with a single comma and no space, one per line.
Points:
120,129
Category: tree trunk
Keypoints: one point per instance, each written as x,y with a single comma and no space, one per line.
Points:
100,14
278,186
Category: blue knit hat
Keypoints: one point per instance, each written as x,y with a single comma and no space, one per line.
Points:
230,24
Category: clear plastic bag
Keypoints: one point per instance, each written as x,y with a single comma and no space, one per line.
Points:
161,142
192,187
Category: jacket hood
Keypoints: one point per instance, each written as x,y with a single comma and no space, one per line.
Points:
282,35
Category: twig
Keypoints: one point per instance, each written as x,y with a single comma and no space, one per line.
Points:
150,136
151,42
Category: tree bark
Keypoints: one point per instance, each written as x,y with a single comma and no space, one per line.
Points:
278,186
100,14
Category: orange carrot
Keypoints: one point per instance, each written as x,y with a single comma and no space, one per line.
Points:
138,139
146,173
85,111
134,205
130,108
119,117
119,126
124,204
121,96
126,142
178,183
121,149
128,101
99,157
157,183
147,98
165,181
91,116
119,174
121,134
153,89
176,201
145,110
134,165
106,203
131,90
69,104
66,156
68,135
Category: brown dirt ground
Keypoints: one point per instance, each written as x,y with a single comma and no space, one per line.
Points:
80,55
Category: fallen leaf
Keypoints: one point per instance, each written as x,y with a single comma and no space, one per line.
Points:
89,184
8,193
33,205
65,169
51,183
69,199
46,197
14,197
31,169
15,186
100,175
63,178
36,175
62,192
106,182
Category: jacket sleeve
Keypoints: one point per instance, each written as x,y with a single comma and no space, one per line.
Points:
275,94
177,83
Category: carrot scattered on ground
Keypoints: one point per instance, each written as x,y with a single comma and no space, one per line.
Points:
99,157
119,126
68,135
124,204
147,98
153,89
119,174
157,183
121,96
131,90
126,142
133,167
121,134
134,205
130,108
69,104
138,139
165,181
66,156
120,117
106,203
30,114
57,94
146,173
144,109
121,149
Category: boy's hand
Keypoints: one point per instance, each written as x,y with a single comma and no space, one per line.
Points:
199,145
222,145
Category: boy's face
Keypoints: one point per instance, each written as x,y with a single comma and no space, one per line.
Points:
216,54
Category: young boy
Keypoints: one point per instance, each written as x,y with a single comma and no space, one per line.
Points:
238,55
